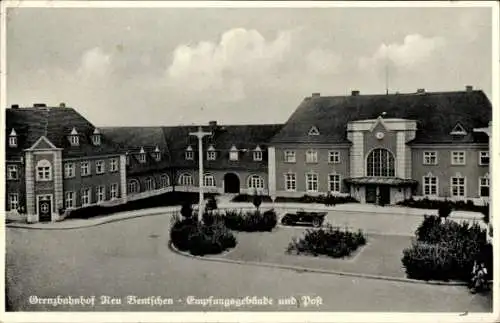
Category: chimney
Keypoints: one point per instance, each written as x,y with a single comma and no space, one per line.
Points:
39,105
62,105
14,106
420,91
315,95
354,92
212,124
469,88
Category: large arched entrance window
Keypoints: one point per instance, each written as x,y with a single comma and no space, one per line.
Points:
380,162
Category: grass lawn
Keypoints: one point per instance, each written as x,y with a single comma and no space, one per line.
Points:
380,256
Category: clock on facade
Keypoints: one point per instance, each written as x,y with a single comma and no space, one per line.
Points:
379,135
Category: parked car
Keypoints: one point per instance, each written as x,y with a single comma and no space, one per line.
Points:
304,217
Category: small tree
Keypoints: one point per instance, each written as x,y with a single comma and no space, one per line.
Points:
485,209
186,210
257,200
444,210
211,204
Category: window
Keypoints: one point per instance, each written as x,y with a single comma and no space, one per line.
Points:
380,162
149,184
211,155
101,194
12,172
484,158
233,153
142,157
99,167
189,155
484,186
69,170
13,201
312,182
43,170
12,141
458,186
96,139
186,180
256,182
430,158
458,157
458,130
164,181
208,180
113,165
85,168
257,155
313,131
113,191
334,183
157,156
85,198
69,199
290,182
133,186
289,156
334,157
430,186
311,156
74,140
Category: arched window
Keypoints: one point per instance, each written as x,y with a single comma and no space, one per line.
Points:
43,170
164,181
208,180
133,186
186,180
255,181
150,184
380,162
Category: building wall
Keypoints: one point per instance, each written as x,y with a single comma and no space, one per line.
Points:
371,142
16,186
323,168
156,176
444,170
92,181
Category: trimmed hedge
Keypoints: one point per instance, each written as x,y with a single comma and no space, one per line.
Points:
329,241
166,199
250,221
446,250
426,203
321,199
201,239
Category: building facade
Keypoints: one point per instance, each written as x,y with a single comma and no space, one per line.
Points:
375,148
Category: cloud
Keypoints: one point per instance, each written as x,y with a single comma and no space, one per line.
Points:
95,65
321,61
415,50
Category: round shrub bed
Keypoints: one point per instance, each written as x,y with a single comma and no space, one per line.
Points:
250,221
328,241
201,239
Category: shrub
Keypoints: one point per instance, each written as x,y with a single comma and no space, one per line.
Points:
250,221
445,250
211,204
444,210
201,239
166,199
257,201
426,203
329,241
187,210
249,198
328,200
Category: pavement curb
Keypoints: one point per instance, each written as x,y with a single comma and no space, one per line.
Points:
312,270
82,226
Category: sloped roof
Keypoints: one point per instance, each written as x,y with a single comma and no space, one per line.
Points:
436,114
56,124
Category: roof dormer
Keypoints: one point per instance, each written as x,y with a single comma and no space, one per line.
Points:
458,130
233,153
142,155
13,139
74,137
157,154
96,137
313,131
257,153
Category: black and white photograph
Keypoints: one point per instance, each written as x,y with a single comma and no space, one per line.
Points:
270,161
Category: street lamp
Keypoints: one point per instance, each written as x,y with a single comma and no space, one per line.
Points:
200,134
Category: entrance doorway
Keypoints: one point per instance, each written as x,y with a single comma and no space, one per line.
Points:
231,183
44,208
371,194
385,195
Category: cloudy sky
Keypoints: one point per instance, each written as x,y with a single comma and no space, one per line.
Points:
168,66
